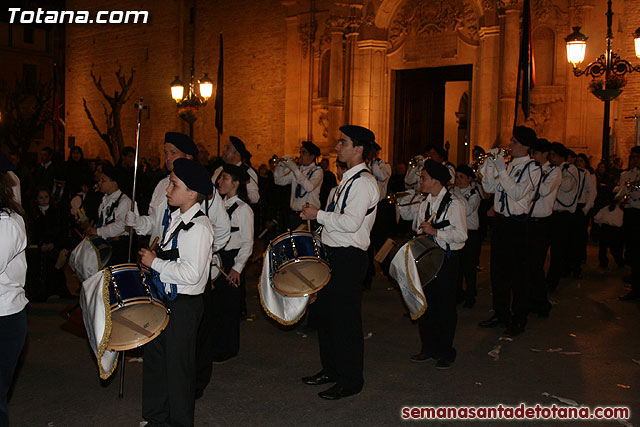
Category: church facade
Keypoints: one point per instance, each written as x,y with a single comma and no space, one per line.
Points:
414,71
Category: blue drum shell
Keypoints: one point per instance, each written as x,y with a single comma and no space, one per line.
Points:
128,278
282,249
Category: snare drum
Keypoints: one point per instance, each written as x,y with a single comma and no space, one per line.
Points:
90,256
137,314
299,265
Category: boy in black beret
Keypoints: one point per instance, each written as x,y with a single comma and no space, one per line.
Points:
470,254
111,214
181,271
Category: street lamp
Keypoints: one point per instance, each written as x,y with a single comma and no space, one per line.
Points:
607,71
189,103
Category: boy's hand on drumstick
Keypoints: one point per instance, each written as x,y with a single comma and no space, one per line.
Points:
234,278
146,256
427,228
309,212
90,231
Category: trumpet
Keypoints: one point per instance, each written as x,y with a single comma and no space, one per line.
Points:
275,160
392,198
506,153
631,186
415,161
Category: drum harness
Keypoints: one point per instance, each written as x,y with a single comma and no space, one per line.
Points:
104,220
442,210
504,201
171,255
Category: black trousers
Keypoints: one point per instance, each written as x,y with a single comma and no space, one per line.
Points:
631,228
467,273
437,326
338,313
510,269
169,368
611,238
578,239
13,333
226,306
539,241
560,246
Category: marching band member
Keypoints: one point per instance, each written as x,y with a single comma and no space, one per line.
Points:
381,170
347,224
586,199
539,227
306,180
610,218
412,176
13,274
563,210
111,215
226,295
514,186
467,273
437,153
236,153
182,263
448,229
629,186
178,146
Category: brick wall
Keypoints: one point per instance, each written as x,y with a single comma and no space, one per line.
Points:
254,44
630,98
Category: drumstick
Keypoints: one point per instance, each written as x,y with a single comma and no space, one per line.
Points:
154,243
433,215
222,271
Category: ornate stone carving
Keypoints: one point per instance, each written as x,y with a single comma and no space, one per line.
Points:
323,121
545,11
307,33
488,4
433,17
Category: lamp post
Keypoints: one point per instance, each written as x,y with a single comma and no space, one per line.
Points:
189,103
607,71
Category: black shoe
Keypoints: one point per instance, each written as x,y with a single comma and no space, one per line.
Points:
318,379
469,303
492,322
421,357
513,330
219,360
443,364
336,392
630,296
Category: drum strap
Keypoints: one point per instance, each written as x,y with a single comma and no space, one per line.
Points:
543,177
230,212
171,255
504,201
102,221
346,189
442,210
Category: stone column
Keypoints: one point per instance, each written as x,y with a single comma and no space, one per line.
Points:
336,88
370,89
484,128
509,73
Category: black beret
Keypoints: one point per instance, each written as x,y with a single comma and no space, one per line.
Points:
542,145
311,148
559,149
5,163
437,171
635,150
114,173
571,153
465,169
194,175
240,147
376,147
358,133
182,142
238,172
525,136
478,148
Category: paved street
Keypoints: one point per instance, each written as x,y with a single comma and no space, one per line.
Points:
58,383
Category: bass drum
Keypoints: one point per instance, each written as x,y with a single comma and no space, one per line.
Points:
428,257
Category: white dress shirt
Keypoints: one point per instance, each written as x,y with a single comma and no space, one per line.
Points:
253,192
471,198
381,170
588,191
567,197
113,222
613,218
308,177
547,191
353,226
13,263
242,218
15,187
514,187
632,175
455,234
190,272
152,224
